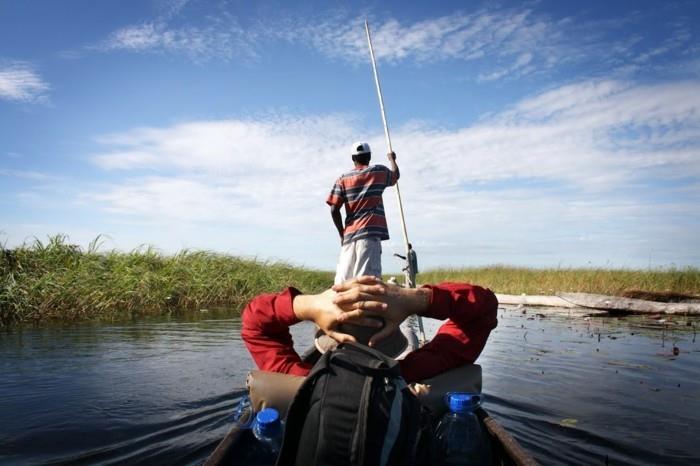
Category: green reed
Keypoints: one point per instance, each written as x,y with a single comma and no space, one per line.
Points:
57,280
518,280
60,281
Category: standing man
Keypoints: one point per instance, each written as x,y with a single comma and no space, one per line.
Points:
411,268
360,191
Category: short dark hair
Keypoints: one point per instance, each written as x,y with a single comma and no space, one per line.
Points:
362,159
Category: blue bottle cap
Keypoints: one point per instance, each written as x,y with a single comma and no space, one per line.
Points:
462,402
268,421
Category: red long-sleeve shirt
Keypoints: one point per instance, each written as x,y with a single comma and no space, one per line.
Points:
471,311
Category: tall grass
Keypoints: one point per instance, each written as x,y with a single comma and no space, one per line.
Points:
517,280
60,281
57,280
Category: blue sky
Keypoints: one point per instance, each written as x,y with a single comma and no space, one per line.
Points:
539,133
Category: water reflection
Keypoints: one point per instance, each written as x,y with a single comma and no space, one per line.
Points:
111,394
161,391
587,391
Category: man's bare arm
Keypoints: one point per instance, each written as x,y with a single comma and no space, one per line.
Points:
394,167
337,220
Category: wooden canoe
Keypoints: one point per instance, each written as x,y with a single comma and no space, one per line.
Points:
234,449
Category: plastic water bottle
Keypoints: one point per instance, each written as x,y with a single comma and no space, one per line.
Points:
268,430
243,415
460,438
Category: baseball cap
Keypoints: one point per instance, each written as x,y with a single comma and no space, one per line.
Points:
360,148
392,346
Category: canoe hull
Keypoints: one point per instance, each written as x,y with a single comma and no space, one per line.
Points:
235,447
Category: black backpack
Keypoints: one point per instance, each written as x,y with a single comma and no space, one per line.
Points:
353,409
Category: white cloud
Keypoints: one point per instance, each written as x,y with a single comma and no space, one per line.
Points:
220,39
140,37
25,174
678,40
502,43
229,170
19,82
587,157
229,146
171,8
169,197
508,38
521,65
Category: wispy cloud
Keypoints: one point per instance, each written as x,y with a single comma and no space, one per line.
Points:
521,65
25,174
680,36
590,157
461,36
198,44
511,39
20,82
171,8
503,43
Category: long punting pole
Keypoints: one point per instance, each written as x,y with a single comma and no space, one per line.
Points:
411,272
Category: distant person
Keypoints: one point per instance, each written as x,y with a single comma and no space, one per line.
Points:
412,260
411,268
360,191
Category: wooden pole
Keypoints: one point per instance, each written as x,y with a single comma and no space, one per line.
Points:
411,281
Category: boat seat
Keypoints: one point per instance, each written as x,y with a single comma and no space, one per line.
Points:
275,390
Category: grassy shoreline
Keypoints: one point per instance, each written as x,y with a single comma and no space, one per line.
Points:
614,282
59,281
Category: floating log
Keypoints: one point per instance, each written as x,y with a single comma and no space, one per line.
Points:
551,301
549,305
580,301
635,306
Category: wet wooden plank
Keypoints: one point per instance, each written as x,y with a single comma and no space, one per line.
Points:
508,450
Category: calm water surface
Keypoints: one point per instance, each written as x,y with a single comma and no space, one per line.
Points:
572,391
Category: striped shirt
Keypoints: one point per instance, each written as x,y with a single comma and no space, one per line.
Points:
360,190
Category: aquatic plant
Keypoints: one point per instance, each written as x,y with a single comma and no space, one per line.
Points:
58,280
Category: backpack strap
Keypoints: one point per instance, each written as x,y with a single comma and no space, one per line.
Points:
348,358
366,361
296,416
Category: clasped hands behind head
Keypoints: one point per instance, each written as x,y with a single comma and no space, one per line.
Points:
366,301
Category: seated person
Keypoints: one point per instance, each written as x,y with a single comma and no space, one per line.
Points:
470,312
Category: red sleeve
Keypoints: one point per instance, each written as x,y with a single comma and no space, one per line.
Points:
265,332
337,195
472,313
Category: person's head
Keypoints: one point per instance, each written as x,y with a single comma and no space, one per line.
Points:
393,345
361,153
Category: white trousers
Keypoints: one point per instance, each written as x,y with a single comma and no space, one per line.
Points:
360,257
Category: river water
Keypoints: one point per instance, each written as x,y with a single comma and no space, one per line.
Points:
571,390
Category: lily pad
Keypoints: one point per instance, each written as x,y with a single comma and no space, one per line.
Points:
568,422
